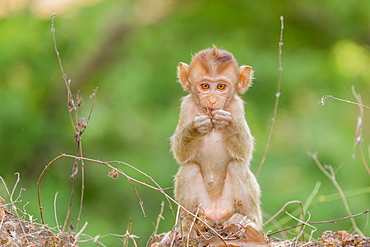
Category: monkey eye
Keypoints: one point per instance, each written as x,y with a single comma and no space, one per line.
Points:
221,86
204,86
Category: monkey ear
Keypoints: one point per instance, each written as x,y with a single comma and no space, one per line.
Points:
245,78
182,74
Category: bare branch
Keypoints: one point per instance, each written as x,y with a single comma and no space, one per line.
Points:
331,175
119,171
277,97
358,132
160,216
323,99
320,222
79,126
282,210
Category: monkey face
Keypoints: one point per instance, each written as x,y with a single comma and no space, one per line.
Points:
213,78
212,95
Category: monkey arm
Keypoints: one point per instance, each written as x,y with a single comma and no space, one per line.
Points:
184,143
236,133
239,141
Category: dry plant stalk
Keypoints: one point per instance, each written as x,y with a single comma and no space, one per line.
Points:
160,216
128,235
191,227
304,224
79,125
131,179
323,99
320,222
16,231
358,131
331,175
282,210
358,127
277,97
12,193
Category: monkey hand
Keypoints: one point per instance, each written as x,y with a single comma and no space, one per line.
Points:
221,118
203,124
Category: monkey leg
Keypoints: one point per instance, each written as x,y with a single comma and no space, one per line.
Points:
192,194
246,194
190,191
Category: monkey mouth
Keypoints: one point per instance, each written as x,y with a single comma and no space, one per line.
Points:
207,110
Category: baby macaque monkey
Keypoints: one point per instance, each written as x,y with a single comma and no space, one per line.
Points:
213,144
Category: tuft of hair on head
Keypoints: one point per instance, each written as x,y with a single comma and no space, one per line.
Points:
214,60
214,50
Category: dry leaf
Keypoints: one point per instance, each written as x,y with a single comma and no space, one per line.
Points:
2,213
2,210
113,174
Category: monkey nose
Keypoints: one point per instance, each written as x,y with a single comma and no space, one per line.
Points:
212,101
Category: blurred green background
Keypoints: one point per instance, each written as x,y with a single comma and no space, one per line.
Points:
130,50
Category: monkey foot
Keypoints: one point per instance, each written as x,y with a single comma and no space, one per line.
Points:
241,220
172,238
230,235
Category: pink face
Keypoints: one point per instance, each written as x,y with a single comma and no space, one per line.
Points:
213,92
212,95
213,78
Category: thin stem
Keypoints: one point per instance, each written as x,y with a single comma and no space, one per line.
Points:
323,99
282,209
331,176
131,179
277,97
320,222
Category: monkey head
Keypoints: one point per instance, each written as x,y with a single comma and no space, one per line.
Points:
213,78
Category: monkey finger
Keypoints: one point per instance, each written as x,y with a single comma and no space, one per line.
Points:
223,115
203,125
202,120
206,123
218,118
220,124
221,112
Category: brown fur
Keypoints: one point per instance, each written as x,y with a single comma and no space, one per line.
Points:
213,144
214,61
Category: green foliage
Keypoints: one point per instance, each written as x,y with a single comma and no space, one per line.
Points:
130,50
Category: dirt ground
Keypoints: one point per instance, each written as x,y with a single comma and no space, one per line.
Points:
236,236
17,232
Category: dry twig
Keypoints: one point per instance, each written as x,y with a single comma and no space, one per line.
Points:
128,235
11,194
319,222
131,179
358,127
79,125
277,97
331,175
358,131
323,99
282,209
160,216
